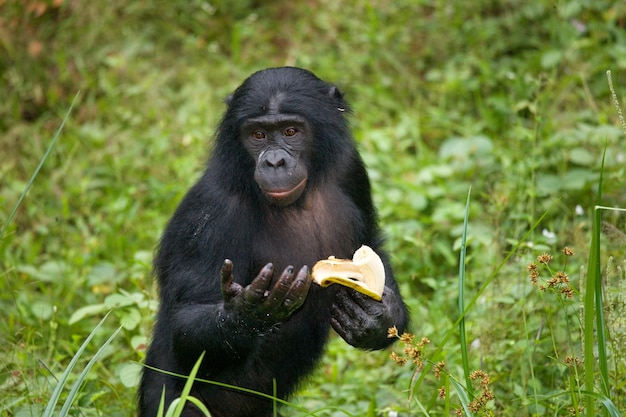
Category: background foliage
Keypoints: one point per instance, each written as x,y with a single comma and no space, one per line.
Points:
506,96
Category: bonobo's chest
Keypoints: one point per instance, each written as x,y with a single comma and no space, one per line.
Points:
327,224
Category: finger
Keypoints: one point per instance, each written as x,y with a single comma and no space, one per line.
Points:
346,308
299,289
348,321
343,309
255,292
229,290
227,271
357,301
281,288
338,326
365,302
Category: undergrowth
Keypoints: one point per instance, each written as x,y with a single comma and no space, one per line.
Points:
509,98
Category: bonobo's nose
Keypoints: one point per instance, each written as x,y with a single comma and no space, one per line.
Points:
275,159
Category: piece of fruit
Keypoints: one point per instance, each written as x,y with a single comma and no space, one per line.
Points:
364,273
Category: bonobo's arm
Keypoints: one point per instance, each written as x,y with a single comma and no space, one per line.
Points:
358,319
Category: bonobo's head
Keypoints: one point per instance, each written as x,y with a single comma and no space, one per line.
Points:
290,125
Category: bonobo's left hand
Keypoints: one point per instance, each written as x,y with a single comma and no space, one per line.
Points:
362,321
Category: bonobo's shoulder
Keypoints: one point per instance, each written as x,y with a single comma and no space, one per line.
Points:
198,196
212,200
203,212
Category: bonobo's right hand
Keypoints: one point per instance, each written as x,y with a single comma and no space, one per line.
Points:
261,303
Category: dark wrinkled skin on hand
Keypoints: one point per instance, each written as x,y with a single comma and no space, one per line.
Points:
360,320
261,303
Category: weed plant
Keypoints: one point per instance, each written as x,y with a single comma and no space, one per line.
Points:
507,97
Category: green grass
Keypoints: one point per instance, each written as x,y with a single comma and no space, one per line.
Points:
56,394
508,98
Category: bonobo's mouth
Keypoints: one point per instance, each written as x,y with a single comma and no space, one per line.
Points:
286,197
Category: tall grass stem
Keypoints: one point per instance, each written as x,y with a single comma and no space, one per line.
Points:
462,334
41,162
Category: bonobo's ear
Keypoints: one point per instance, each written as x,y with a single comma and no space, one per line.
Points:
228,99
335,93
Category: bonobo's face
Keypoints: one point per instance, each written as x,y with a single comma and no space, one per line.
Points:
278,143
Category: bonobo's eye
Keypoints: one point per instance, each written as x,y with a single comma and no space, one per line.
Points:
258,135
290,131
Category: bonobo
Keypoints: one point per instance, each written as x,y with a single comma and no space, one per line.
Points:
283,189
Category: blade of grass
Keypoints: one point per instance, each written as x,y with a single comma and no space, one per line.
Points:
593,307
421,407
200,405
187,388
603,362
232,387
531,364
43,159
593,303
463,336
61,383
161,409
610,408
79,381
275,394
463,397
173,406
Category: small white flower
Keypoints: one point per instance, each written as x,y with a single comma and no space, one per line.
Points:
579,210
475,344
550,236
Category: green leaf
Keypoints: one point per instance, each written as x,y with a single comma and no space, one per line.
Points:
130,318
581,156
87,311
130,374
117,300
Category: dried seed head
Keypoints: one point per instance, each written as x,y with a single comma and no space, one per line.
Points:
567,251
439,368
544,258
561,277
407,338
397,359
